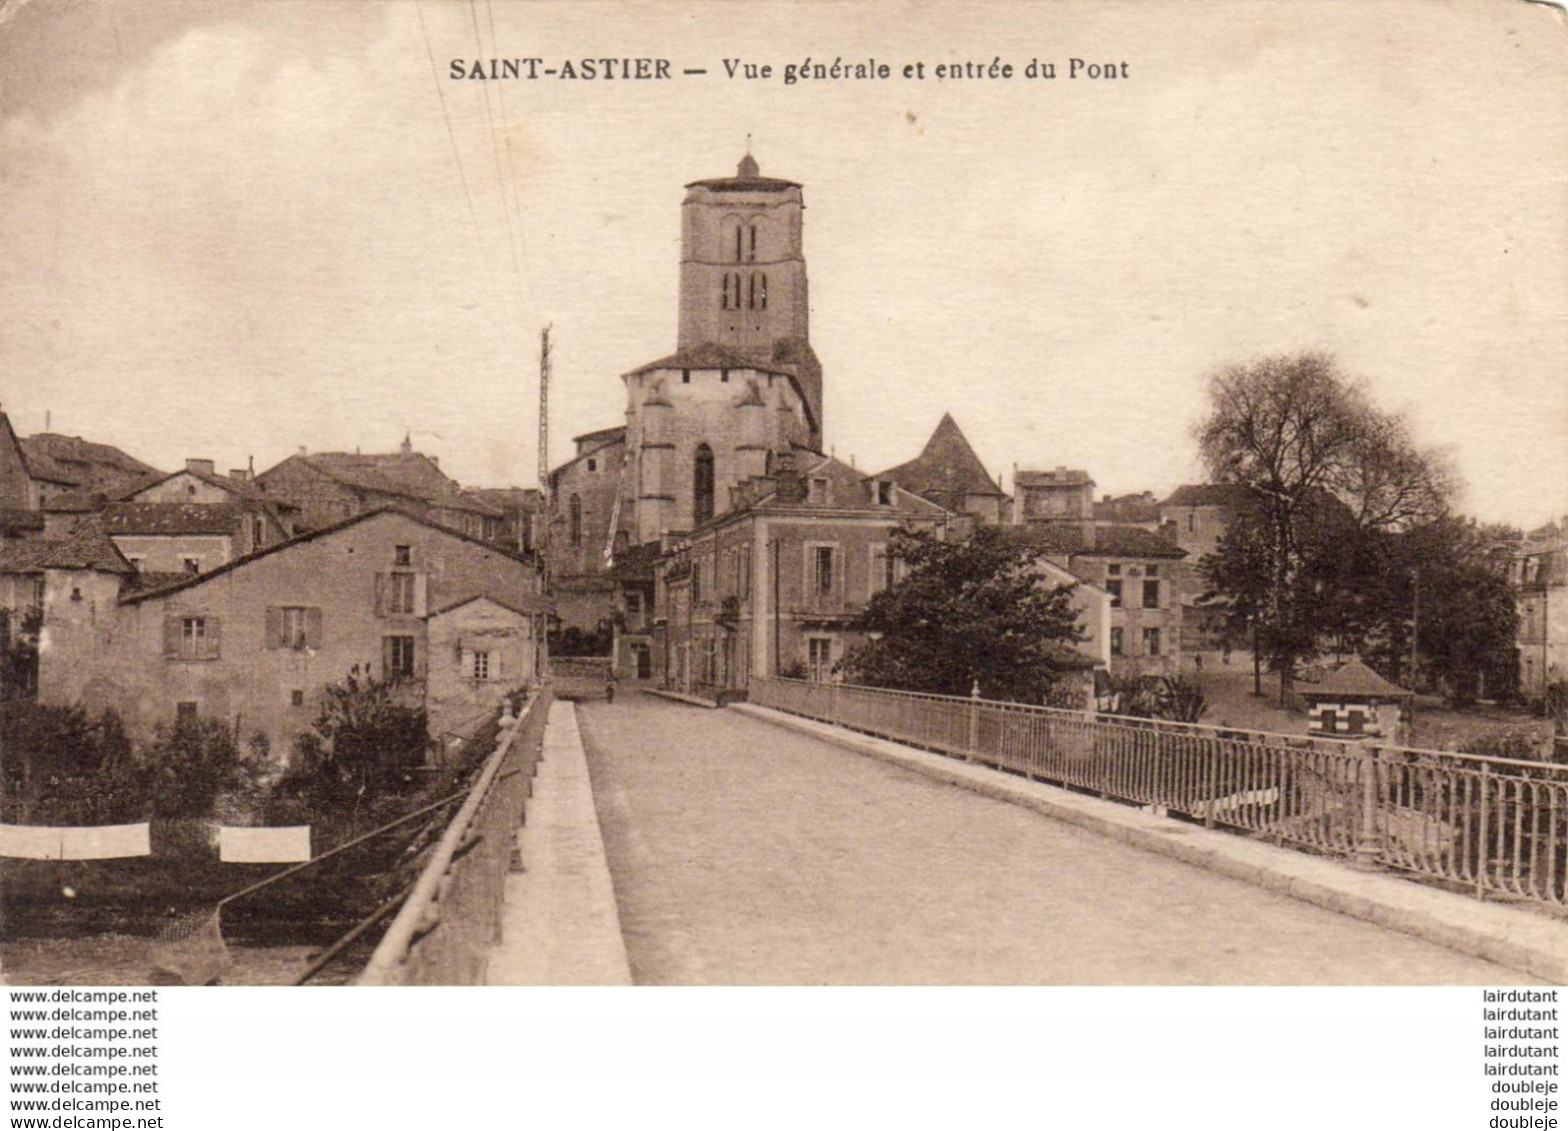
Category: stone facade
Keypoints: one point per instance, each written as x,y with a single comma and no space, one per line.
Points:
479,650
1540,576
255,642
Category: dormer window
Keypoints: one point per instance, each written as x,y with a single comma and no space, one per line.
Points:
884,493
818,491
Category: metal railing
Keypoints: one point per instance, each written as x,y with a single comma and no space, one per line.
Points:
445,930
1492,825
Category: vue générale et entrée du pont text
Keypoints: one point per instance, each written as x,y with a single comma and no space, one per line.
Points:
810,69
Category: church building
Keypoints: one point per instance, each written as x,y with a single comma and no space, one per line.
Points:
743,383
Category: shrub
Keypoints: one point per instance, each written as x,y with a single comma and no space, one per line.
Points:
363,745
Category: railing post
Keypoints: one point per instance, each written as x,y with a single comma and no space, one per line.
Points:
833,712
972,747
1369,841
1481,848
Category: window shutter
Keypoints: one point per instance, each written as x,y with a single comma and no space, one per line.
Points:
419,594
171,636
212,649
274,627
313,629
386,653
381,594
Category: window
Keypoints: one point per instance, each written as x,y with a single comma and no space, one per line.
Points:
1151,642
817,492
574,510
696,580
1114,588
881,569
296,698
884,493
752,251
190,638
730,300
399,657
481,665
294,626
593,465
1151,594
819,658
685,376
702,485
257,533
400,594
739,241
743,575
757,296
185,714
76,592
38,594
1151,571
634,610
1114,569
822,571
192,565
1118,637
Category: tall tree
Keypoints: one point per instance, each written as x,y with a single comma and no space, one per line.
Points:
1325,467
966,612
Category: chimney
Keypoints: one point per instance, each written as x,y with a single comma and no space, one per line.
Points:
239,474
302,449
201,466
408,444
791,484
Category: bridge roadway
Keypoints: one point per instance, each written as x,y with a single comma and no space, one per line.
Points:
746,854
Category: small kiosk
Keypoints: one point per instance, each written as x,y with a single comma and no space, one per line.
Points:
1345,704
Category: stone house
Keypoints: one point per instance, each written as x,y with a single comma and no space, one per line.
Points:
1063,495
42,467
61,594
1539,571
772,585
1197,515
255,641
328,487
1137,570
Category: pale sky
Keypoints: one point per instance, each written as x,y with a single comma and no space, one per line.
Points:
230,229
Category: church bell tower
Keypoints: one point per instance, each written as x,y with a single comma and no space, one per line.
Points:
743,275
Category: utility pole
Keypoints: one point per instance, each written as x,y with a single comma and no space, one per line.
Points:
542,544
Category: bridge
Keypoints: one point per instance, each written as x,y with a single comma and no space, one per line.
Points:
670,844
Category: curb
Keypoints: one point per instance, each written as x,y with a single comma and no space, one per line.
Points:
560,923
1520,940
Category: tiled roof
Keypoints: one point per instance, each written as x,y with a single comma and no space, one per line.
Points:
1127,508
80,463
1354,680
408,475
87,547
1061,477
309,536
1210,495
707,355
945,470
522,604
1102,541
172,518
16,518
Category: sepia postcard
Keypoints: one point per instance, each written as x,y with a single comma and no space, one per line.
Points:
784,494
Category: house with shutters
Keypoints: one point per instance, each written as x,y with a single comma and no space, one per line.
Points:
254,642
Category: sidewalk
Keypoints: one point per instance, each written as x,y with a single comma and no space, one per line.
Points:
1522,940
559,924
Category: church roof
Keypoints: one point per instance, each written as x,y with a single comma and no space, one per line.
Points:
748,178
709,355
948,466
1354,680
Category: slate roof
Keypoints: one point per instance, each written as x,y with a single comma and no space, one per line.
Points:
1070,538
172,518
87,547
1354,680
946,469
